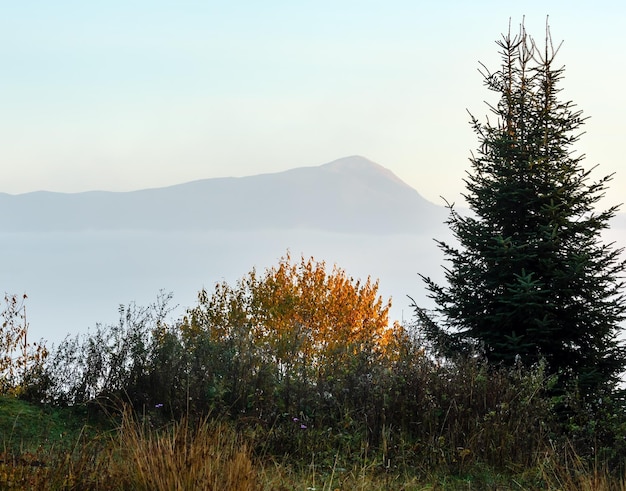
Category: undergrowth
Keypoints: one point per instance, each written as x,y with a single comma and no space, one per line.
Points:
150,405
145,451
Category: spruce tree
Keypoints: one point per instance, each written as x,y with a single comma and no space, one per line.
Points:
530,277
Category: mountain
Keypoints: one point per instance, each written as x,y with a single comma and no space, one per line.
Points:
352,195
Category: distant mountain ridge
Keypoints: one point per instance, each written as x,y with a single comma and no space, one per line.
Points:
352,195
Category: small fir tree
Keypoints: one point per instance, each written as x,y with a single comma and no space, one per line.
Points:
531,278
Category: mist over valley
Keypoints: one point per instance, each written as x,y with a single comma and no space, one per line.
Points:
79,256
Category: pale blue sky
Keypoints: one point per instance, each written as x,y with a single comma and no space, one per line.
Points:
122,95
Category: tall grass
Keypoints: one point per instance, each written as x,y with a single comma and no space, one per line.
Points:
217,455
181,456
185,456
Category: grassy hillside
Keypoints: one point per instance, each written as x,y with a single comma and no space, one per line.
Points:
53,448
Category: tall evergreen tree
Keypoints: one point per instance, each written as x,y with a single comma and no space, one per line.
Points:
531,277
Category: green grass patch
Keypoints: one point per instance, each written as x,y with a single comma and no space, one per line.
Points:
28,427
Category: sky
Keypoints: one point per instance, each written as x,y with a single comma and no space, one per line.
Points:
131,94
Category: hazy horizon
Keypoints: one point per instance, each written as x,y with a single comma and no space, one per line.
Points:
78,257
76,274
122,96
81,278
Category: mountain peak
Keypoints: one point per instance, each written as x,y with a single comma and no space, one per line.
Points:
352,162
356,164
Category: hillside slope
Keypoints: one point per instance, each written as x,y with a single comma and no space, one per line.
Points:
351,195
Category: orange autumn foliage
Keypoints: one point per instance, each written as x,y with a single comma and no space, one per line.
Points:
298,314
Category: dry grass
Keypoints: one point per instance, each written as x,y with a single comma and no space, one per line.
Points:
212,455
568,471
181,456
185,456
